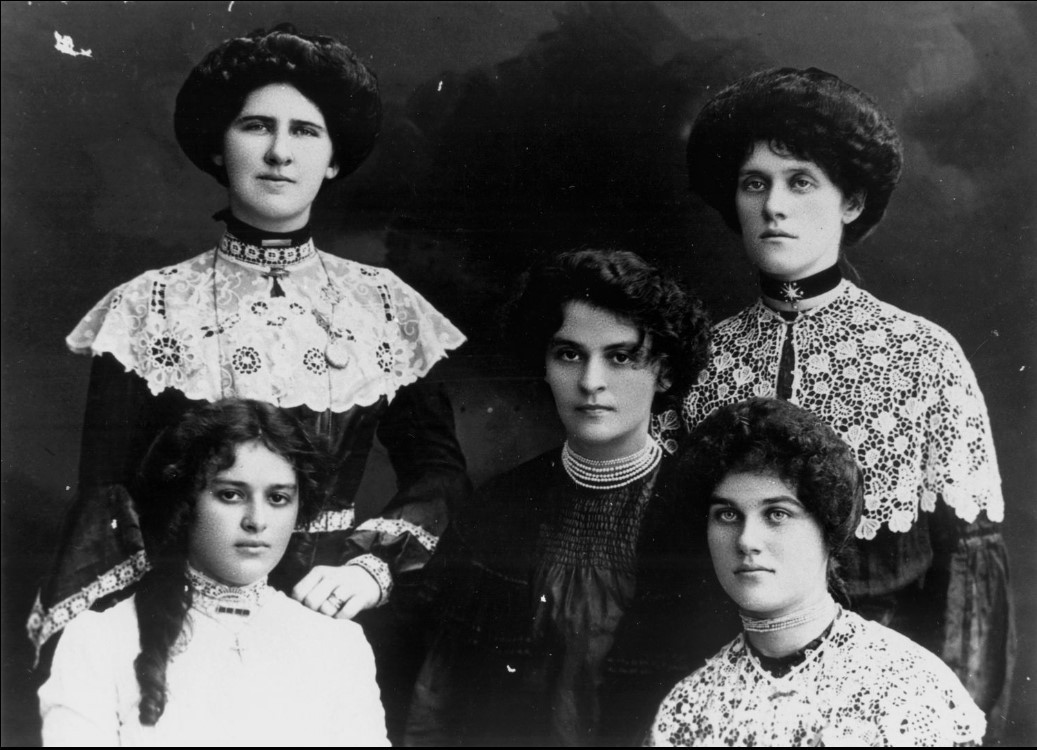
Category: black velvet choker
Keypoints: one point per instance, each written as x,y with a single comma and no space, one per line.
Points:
801,289
261,237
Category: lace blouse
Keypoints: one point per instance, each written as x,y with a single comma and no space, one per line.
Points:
340,345
224,690
863,686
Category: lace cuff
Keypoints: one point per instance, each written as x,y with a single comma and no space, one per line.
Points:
379,570
44,622
399,527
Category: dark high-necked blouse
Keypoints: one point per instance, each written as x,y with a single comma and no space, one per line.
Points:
562,615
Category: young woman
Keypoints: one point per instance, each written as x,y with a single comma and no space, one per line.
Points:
538,584
783,496
802,165
206,653
267,316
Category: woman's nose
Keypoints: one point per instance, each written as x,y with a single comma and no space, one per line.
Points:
592,377
775,203
280,150
254,518
749,541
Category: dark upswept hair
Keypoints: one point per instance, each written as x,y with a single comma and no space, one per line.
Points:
179,464
766,435
323,69
808,114
625,285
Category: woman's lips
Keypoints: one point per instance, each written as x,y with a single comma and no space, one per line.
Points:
594,409
253,548
772,234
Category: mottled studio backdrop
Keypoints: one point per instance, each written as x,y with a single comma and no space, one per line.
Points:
511,129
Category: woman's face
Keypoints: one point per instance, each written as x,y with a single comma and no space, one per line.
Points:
244,517
792,216
768,550
603,386
277,153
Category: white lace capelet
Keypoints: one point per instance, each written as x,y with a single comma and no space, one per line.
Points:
221,324
894,386
863,686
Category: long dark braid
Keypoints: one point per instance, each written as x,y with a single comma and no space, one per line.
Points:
162,601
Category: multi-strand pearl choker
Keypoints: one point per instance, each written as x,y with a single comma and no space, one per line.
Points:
614,472
825,608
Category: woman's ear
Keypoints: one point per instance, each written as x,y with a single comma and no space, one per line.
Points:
853,207
663,381
217,159
332,171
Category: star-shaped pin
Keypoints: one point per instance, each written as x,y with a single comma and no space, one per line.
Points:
791,292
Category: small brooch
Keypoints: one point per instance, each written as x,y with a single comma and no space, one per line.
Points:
791,292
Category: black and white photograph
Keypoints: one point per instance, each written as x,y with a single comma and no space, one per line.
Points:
634,373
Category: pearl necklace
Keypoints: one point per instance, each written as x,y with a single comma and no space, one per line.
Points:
818,611
614,472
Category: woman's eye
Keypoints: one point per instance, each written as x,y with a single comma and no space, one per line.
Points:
753,185
779,515
622,358
227,496
303,130
567,355
280,499
802,183
725,515
254,126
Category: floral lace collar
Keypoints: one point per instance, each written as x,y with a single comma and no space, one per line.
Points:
895,387
279,256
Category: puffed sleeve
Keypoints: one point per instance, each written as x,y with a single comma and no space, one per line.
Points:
418,432
971,570
79,704
101,551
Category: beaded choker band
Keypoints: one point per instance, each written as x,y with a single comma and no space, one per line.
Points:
613,473
801,289
215,598
265,255
818,611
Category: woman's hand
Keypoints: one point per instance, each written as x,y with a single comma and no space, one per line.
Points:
341,592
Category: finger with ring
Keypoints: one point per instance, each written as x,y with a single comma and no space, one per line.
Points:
335,602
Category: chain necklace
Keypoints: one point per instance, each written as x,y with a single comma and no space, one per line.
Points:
614,472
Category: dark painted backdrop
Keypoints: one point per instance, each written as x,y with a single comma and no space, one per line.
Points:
511,129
